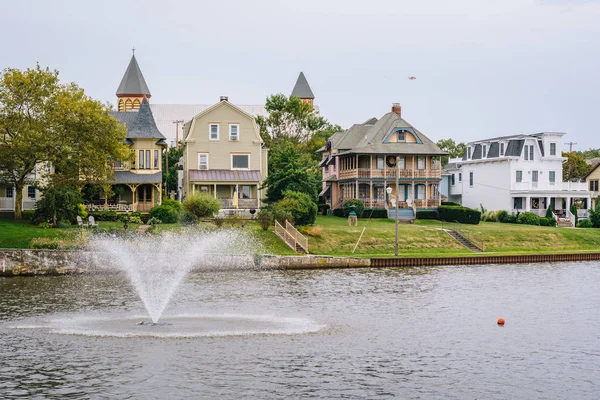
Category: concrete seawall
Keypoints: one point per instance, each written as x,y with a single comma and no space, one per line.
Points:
26,262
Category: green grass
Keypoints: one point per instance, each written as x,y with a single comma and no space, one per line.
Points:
332,236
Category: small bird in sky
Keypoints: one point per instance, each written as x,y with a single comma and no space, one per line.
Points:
412,78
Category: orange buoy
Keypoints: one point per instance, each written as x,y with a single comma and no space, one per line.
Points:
500,321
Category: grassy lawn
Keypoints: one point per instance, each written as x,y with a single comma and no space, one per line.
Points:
332,236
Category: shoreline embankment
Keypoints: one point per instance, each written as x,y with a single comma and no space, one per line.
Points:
37,262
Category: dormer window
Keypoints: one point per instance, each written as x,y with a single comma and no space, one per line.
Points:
552,149
468,153
501,149
484,155
401,136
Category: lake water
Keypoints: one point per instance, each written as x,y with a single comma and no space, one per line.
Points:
422,333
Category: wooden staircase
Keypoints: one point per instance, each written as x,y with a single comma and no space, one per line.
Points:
292,237
464,241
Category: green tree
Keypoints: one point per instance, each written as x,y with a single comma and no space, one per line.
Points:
317,140
289,119
287,172
453,149
575,168
58,204
44,123
590,153
170,174
300,205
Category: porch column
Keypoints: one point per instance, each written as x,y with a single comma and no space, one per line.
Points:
258,203
371,194
549,202
568,203
215,191
413,180
528,203
193,188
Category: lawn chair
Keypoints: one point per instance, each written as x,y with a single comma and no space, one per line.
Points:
80,222
92,223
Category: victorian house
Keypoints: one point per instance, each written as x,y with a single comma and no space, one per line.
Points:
384,162
224,157
138,180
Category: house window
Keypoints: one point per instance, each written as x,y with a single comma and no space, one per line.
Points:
530,153
401,136
202,160
244,192
31,192
141,159
379,162
526,154
420,192
552,177
519,176
234,132
453,178
10,192
518,203
460,176
240,161
501,149
593,186
132,159
420,162
471,179
148,165
155,159
484,151
534,177
402,162
468,153
552,149
214,131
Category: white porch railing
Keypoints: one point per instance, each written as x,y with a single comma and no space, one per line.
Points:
571,218
7,203
550,186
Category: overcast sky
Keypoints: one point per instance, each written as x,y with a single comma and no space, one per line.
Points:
483,68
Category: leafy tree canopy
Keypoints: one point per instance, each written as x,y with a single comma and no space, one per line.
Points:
575,168
589,153
453,149
46,123
170,173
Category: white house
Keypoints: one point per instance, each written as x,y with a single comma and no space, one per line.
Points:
515,173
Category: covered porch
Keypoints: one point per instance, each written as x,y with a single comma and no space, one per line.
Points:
423,195
561,204
231,195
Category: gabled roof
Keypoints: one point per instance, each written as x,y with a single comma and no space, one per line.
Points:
133,81
592,170
367,138
191,123
140,124
302,89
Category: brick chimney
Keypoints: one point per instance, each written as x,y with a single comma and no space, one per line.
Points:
224,98
396,108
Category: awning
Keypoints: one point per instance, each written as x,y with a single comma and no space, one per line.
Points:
324,162
324,191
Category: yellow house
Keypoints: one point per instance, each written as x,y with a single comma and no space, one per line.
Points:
592,179
224,157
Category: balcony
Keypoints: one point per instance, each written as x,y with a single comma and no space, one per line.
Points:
408,174
550,186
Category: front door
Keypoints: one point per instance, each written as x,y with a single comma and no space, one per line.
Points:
144,198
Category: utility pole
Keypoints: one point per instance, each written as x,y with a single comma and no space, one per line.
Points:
397,197
177,122
571,144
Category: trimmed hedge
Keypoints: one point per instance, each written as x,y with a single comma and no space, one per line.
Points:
450,203
528,218
339,212
427,214
105,215
460,214
375,213
165,213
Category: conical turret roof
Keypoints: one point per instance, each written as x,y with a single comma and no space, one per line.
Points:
133,82
302,89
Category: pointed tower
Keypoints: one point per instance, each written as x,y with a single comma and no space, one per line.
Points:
133,88
302,90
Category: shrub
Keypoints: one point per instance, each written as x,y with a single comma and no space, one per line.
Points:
135,220
172,203
63,223
544,221
322,208
265,219
502,215
218,221
282,215
338,212
300,205
358,204
427,214
510,218
58,203
450,203
154,221
136,214
81,211
585,223
44,225
549,212
552,222
201,205
490,216
44,243
595,216
235,220
187,218
375,213
166,214
528,218
463,215
105,215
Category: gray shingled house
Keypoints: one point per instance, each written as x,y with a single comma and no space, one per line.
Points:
381,156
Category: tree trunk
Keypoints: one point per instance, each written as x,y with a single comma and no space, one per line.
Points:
19,201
